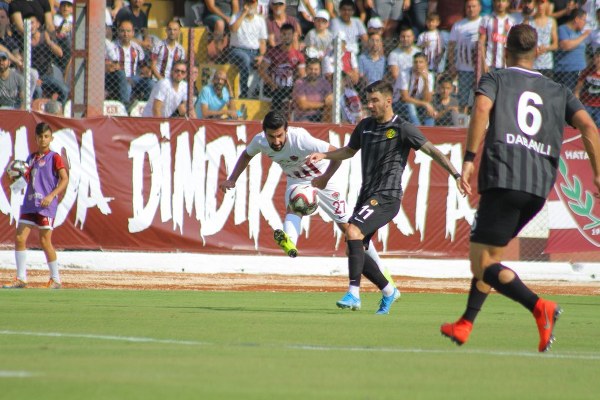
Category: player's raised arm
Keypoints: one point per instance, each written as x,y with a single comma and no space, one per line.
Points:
589,133
240,166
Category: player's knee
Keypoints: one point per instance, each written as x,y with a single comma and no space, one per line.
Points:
353,233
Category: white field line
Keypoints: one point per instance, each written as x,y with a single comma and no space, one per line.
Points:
497,353
17,374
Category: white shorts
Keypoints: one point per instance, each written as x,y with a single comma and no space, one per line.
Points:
331,200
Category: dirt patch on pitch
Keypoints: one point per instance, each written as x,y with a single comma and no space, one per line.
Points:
75,279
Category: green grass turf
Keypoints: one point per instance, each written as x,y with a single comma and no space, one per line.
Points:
241,345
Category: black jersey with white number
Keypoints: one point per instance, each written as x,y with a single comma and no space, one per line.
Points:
384,152
522,145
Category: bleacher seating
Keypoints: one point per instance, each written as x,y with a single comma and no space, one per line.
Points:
256,109
137,108
115,108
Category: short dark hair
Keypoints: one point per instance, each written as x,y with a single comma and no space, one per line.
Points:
381,86
445,78
41,128
274,120
522,40
347,3
420,54
577,13
404,27
313,61
287,27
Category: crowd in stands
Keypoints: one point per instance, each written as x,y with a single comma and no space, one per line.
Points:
433,53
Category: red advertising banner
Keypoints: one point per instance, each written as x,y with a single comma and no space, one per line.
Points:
152,185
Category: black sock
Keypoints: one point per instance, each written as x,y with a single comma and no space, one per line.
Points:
474,301
515,289
356,261
373,273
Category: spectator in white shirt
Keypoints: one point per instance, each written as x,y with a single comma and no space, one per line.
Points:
169,95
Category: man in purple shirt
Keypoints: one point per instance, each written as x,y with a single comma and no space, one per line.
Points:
313,95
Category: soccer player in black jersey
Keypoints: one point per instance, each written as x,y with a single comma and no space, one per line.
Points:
385,141
526,113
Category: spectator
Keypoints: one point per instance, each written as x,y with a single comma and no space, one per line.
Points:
139,19
217,17
547,32
280,68
276,19
401,58
113,7
313,95
333,8
375,25
20,10
372,64
492,36
588,87
307,11
43,51
570,58
319,40
444,103
115,81
8,43
128,55
353,28
562,10
167,52
593,40
526,13
63,20
450,12
248,42
349,64
462,53
12,85
415,90
590,7
169,95
432,43
216,99
389,14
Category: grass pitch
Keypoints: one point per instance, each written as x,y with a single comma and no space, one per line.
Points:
100,344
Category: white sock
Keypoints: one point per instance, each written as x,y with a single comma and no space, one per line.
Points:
292,227
355,291
388,290
21,261
53,267
375,256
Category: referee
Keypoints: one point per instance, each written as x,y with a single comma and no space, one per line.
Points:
385,141
526,113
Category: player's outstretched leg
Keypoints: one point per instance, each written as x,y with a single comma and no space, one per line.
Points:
283,241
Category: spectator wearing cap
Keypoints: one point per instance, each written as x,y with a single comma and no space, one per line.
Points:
63,19
389,13
353,28
248,42
280,68
570,58
277,18
462,53
307,11
12,85
319,40
313,95
401,58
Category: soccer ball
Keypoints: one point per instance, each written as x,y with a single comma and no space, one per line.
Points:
304,199
17,169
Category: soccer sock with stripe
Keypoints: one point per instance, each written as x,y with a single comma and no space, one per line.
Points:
356,261
514,288
21,261
292,226
474,301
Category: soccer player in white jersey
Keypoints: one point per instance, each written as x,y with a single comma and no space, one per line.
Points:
289,147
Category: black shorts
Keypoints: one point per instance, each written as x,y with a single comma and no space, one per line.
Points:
501,215
374,213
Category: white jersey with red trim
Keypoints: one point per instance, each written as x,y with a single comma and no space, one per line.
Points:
292,157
